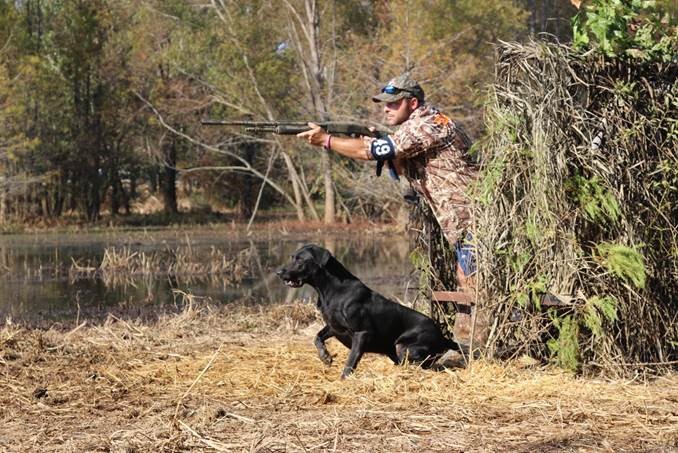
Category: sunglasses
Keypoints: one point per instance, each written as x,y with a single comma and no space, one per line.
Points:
390,89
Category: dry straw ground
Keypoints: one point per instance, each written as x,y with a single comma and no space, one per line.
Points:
247,379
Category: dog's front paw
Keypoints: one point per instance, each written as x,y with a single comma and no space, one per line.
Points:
326,358
347,372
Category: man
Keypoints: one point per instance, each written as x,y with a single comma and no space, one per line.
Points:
429,149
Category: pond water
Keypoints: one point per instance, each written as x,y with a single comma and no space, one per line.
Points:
38,286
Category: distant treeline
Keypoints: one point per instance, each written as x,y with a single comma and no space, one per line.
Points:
100,100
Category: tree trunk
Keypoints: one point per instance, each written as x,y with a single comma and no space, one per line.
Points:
546,11
317,88
299,190
93,194
169,177
117,192
72,188
330,209
3,205
58,194
132,191
45,207
246,183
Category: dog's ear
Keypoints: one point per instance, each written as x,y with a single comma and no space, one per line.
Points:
320,255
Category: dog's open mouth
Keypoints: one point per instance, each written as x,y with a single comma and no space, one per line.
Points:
293,283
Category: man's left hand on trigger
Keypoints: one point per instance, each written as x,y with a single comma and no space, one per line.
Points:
315,136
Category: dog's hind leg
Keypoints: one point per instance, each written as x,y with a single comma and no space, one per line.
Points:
319,342
393,355
360,340
403,345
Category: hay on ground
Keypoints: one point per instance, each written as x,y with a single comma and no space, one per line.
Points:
248,379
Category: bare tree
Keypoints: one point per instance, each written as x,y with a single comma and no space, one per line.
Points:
304,33
300,191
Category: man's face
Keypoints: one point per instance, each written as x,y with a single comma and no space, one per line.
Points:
399,111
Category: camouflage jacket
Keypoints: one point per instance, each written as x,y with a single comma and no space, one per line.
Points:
431,150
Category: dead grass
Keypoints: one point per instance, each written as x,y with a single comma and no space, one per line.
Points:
248,379
184,262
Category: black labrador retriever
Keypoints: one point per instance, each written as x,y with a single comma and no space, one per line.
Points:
361,319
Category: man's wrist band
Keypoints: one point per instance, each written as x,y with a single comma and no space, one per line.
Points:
328,143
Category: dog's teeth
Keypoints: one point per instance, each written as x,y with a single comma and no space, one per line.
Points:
292,283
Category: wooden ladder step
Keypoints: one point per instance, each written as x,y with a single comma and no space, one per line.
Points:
459,297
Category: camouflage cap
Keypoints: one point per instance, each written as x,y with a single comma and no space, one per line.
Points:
400,87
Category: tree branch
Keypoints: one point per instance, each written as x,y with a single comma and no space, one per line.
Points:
246,164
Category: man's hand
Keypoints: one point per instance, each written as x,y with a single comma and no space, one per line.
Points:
316,136
353,148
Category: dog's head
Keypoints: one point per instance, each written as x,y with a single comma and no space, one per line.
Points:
306,263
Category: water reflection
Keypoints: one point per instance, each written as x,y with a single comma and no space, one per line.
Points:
46,278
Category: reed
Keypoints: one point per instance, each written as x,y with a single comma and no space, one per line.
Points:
184,263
